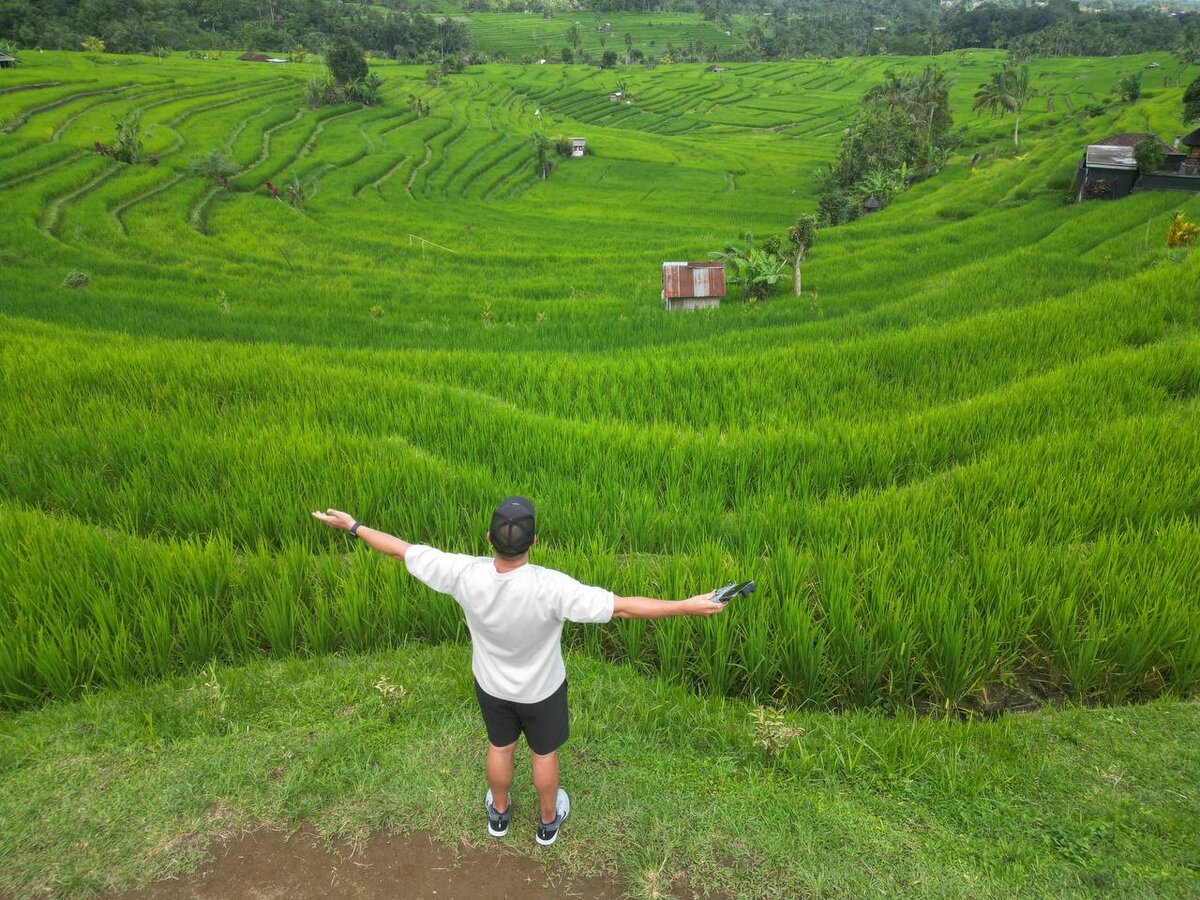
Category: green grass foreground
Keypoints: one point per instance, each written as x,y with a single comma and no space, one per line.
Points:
131,784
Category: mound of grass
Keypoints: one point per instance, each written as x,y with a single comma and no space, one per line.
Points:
127,786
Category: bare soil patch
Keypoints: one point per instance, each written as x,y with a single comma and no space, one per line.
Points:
272,865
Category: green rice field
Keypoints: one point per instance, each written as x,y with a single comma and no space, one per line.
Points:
962,466
520,34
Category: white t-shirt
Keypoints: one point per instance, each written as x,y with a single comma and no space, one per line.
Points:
515,618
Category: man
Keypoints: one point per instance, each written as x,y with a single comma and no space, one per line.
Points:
515,612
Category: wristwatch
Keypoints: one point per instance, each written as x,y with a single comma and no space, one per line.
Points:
354,528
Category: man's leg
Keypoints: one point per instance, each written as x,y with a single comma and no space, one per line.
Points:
500,774
545,779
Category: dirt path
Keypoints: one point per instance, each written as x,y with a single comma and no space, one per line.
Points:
270,865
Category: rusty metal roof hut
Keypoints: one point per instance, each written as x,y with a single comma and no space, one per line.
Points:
692,285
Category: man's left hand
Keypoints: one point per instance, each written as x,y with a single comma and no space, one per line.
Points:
335,518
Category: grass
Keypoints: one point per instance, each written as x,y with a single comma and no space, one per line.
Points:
961,467
125,786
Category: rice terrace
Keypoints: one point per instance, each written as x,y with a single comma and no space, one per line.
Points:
945,417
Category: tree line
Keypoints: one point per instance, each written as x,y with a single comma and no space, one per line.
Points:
778,29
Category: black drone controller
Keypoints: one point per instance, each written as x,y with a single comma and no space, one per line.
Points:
733,589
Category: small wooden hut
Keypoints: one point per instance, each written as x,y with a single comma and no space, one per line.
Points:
7,62
692,285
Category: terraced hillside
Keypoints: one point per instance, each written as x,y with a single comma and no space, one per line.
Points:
961,467
654,34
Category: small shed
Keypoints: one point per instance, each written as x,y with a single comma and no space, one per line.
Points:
578,145
692,285
1191,165
1108,170
872,204
717,69
7,62
251,56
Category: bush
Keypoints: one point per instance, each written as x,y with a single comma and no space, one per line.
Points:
346,61
608,59
562,146
365,90
837,207
213,165
1149,155
1182,233
77,279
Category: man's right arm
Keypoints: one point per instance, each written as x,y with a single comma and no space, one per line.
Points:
649,608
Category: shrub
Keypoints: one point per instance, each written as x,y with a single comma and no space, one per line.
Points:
1130,88
365,90
562,146
93,44
127,147
1149,155
1182,233
837,207
213,165
608,59
77,279
756,269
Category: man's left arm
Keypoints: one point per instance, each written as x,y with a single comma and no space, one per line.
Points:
373,538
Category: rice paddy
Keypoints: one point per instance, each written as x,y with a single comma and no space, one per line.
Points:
961,467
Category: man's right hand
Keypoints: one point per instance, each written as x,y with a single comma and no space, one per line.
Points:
702,605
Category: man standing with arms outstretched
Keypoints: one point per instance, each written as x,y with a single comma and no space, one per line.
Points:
515,612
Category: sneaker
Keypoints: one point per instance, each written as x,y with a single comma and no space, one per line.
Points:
497,822
547,834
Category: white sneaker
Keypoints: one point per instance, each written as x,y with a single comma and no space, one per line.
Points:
548,834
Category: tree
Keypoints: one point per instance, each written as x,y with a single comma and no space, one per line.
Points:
628,46
1009,90
1149,154
1187,48
1191,101
541,152
1130,88
802,235
93,44
991,96
568,55
574,38
346,61
608,59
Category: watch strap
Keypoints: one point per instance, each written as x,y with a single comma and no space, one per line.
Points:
354,528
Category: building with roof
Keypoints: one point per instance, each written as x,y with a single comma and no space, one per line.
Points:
7,62
251,56
1109,170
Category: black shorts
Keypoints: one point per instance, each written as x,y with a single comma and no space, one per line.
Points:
544,723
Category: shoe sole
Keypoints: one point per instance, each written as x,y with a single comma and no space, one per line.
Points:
495,833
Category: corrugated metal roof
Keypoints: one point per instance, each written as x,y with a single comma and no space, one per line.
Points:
693,279
1110,157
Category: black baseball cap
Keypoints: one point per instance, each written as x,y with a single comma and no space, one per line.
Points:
513,526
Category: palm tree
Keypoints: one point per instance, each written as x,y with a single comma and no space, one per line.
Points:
991,96
1008,90
1187,50
1019,92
